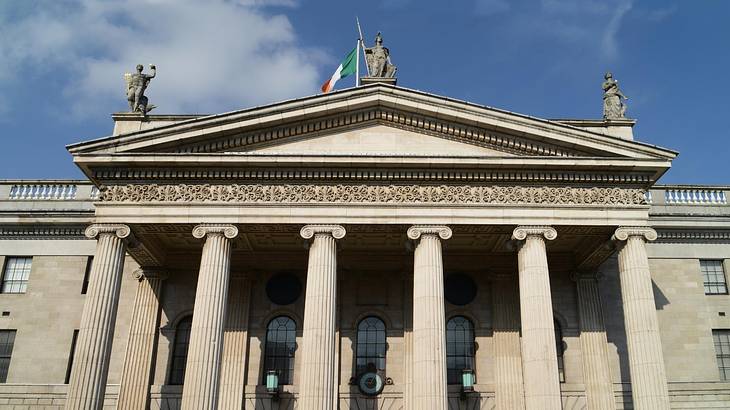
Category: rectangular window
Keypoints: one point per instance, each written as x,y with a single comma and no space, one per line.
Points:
7,339
70,365
85,284
722,352
713,277
15,274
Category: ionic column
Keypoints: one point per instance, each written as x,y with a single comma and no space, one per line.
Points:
319,379
429,389
93,349
202,371
539,355
646,362
235,341
508,382
596,371
137,371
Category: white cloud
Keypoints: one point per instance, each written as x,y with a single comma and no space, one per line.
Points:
610,47
210,56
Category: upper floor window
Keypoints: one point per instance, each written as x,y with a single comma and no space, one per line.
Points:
371,346
281,344
180,350
722,352
713,277
560,348
7,340
460,348
15,274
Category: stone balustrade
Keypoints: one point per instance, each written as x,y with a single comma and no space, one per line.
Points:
44,190
688,195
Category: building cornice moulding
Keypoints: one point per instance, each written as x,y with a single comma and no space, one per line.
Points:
373,194
685,236
42,232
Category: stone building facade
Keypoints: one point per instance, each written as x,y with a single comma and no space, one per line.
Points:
374,248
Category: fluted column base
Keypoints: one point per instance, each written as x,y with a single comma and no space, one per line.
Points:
429,318
539,354
202,371
649,388
134,388
93,349
319,381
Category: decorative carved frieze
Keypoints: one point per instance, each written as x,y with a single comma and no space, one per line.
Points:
310,193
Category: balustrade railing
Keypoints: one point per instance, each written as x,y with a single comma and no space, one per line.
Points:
695,196
48,191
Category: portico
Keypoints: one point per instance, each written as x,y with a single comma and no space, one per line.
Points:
372,197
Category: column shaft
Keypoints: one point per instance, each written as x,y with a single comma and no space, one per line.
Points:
137,371
318,380
202,371
91,361
539,354
429,319
235,341
646,362
508,381
596,372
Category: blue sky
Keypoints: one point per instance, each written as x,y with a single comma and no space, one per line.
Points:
61,64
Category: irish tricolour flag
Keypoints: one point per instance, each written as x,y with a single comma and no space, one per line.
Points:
347,67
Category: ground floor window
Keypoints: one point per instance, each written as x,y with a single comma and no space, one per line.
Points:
281,344
459,348
7,340
722,352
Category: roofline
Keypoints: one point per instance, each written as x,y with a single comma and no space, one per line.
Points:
288,105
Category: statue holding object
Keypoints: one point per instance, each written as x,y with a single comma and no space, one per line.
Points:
136,85
614,107
378,60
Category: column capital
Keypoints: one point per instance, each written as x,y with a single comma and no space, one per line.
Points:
443,231
623,233
522,232
308,231
202,230
586,275
120,230
148,273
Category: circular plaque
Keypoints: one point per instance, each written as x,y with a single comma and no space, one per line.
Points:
283,289
370,384
459,289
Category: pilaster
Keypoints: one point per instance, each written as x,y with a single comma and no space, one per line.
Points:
137,371
596,371
202,372
319,381
539,354
508,381
235,343
91,361
646,362
429,388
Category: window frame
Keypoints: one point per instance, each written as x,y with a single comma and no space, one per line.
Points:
23,283
722,355
376,350
560,350
713,287
174,370
6,357
272,356
468,355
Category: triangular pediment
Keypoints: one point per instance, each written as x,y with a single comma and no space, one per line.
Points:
374,140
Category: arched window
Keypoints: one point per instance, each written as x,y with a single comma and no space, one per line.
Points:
459,348
371,345
559,348
281,343
180,350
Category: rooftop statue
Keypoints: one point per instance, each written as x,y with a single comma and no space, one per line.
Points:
613,99
136,85
378,59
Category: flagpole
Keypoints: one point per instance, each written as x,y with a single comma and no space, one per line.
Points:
361,42
357,65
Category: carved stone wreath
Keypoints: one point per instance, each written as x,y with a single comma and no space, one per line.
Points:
416,194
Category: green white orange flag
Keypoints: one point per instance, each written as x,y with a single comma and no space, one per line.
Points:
347,67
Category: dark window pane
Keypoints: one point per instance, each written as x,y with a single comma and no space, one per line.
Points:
15,274
280,347
180,351
722,351
7,339
459,348
371,345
